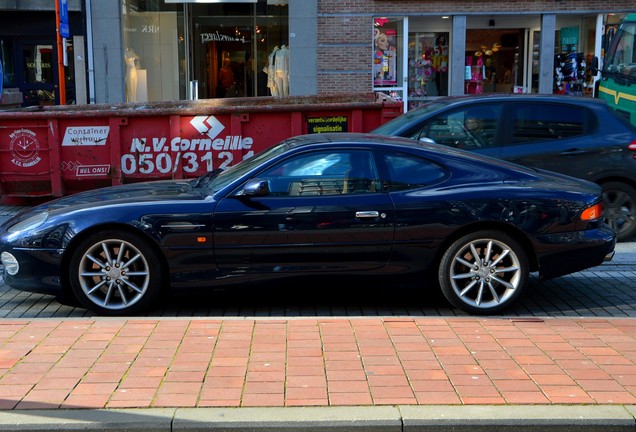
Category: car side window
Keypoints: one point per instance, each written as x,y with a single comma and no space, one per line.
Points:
468,128
323,173
538,122
409,172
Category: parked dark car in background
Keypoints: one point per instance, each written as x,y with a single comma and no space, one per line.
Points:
578,136
321,204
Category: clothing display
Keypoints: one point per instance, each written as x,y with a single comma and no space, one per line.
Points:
277,71
570,73
281,66
271,72
131,58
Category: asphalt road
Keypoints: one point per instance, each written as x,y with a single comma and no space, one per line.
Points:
608,290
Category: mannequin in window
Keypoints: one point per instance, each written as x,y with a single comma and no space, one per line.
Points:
281,65
270,70
226,76
131,58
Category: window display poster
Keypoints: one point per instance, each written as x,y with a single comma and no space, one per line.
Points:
384,53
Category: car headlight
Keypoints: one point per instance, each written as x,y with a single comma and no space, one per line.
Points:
10,263
29,223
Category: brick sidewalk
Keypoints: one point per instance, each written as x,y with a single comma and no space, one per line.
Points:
117,363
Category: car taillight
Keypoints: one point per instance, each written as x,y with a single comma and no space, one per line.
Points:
592,213
632,147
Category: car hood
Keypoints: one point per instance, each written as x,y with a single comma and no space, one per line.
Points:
137,193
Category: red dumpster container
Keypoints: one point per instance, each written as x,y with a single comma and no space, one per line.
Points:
60,150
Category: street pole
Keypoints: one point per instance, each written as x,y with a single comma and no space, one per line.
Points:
60,56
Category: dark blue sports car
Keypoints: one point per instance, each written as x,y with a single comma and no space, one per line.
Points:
336,204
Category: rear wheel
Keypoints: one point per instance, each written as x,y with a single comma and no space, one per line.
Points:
483,272
620,206
115,273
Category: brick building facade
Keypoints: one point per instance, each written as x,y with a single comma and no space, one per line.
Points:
345,33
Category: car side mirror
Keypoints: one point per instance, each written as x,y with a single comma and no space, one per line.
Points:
255,187
427,140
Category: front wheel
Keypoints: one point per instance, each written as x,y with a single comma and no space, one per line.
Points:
483,272
115,273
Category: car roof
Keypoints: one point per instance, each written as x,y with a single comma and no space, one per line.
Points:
521,97
400,124
352,138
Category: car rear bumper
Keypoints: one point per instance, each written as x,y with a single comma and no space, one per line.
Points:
565,253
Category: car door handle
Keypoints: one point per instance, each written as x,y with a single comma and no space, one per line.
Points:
367,214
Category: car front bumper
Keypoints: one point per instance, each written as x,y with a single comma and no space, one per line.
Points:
38,270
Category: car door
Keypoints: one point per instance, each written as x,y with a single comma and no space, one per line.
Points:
553,136
322,214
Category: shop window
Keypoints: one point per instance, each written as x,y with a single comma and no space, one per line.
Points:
8,67
153,42
242,35
387,34
428,67
494,61
569,64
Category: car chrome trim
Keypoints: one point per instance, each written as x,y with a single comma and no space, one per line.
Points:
367,214
182,226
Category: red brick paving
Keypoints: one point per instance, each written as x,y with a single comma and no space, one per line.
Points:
119,363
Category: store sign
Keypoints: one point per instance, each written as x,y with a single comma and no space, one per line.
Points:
218,37
327,124
569,35
64,29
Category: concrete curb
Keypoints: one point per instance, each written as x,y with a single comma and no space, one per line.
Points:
406,418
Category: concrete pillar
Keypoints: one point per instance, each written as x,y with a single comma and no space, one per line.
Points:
458,56
303,45
546,62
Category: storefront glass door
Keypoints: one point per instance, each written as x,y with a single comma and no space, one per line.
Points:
495,60
427,66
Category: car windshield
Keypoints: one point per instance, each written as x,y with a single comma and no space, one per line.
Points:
397,123
227,176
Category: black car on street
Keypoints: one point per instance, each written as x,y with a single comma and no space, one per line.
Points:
578,136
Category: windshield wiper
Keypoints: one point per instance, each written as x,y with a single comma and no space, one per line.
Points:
205,177
620,78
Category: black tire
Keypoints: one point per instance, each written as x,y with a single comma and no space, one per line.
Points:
115,273
620,209
483,272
